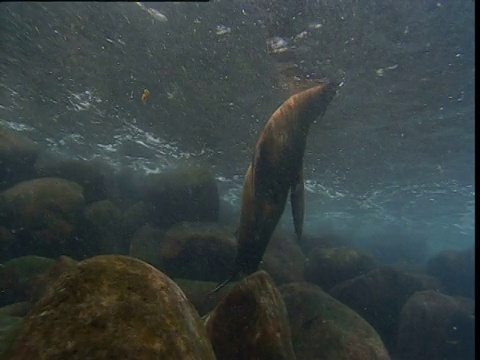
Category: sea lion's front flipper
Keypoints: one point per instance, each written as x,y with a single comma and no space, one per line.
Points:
297,201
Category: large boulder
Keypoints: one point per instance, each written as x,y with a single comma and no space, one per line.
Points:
18,275
283,259
105,228
396,247
251,322
134,217
45,215
42,282
437,326
9,327
197,251
324,328
186,194
327,267
145,244
379,295
17,157
456,271
112,306
8,242
91,175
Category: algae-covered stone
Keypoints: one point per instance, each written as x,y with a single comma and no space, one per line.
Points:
18,275
45,214
186,194
437,326
91,175
145,244
8,244
456,271
324,328
197,251
105,225
112,307
9,327
327,267
251,322
283,259
17,156
16,309
134,217
378,296
45,280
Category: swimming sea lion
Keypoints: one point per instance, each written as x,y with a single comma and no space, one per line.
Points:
276,170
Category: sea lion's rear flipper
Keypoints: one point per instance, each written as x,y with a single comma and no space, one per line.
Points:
297,200
222,284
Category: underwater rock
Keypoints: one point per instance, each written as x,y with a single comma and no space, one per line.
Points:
197,251
44,214
181,195
134,217
437,326
327,267
90,175
9,327
250,322
324,328
45,280
17,157
309,242
105,228
456,271
8,241
198,293
112,307
18,275
283,259
145,244
125,187
20,309
396,246
378,296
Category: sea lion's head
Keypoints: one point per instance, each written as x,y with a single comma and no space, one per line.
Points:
313,102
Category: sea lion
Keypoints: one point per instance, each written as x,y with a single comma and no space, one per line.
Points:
276,169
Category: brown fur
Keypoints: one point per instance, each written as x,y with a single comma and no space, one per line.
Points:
276,169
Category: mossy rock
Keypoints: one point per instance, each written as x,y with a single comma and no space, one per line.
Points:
45,214
283,259
91,175
44,281
145,244
105,222
324,328
112,306
197,251
185,194
19,309
456,271
9,328
17,157
18,275
251,322
436,326
327,267
379,295
8,242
